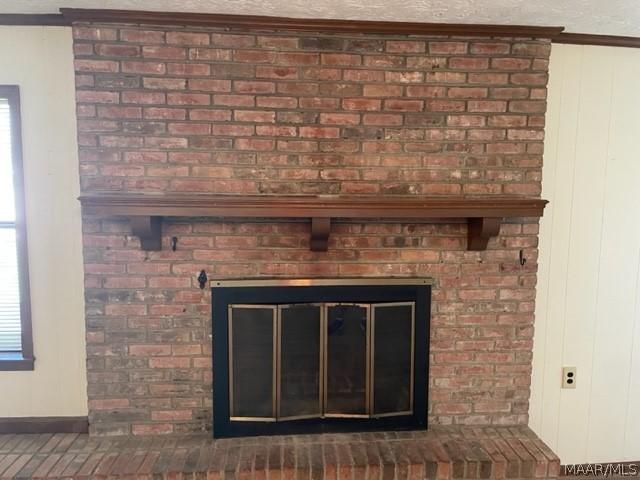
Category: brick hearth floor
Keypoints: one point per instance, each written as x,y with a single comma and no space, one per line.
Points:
443,452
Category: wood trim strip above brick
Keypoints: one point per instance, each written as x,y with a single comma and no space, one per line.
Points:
254,22
484,214
70,15
42,19
44,425
604,40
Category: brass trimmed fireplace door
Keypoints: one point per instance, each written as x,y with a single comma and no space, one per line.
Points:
321,363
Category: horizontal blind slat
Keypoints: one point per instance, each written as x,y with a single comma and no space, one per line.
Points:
10,326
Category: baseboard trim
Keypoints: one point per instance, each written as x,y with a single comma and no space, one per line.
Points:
44,425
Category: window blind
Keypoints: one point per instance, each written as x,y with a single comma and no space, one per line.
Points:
10,327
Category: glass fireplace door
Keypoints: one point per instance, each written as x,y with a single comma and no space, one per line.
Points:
392,340
252,362
347,360
300,361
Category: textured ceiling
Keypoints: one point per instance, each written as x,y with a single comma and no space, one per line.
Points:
609,17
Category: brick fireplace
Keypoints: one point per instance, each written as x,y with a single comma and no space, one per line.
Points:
188,110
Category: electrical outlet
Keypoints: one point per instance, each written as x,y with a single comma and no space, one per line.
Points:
569,377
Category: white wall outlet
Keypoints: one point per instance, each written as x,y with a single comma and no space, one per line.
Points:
569,377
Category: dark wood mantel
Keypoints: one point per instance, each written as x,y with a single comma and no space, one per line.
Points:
483,214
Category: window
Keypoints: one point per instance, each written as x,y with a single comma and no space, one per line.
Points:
16,345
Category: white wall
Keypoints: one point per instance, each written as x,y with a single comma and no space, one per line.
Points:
588,303
39,60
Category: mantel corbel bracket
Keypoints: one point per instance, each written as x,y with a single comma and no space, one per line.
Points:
480,230
148,229
320,229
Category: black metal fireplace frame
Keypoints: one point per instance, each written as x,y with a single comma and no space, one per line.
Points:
310,291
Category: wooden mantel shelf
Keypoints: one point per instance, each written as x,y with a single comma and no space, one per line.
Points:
483,214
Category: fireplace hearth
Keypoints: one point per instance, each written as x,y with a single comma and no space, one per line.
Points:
300,356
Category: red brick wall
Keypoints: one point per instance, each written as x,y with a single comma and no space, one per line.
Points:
194,110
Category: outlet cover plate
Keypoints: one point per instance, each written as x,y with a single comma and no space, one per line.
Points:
569,377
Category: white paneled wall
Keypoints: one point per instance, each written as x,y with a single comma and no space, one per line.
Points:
588,303
40,61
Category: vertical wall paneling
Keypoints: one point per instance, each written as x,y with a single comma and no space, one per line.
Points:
40,61
556,228
618,270
587,309
549,174
584,232
632,432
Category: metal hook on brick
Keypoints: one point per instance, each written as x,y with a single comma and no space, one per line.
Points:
202,279
521,258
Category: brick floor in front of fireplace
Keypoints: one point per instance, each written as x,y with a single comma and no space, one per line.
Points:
442,452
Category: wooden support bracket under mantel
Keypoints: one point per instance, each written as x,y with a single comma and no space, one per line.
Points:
483,214
148,229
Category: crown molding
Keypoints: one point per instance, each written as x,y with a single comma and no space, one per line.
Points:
254,22
42,19
604,40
